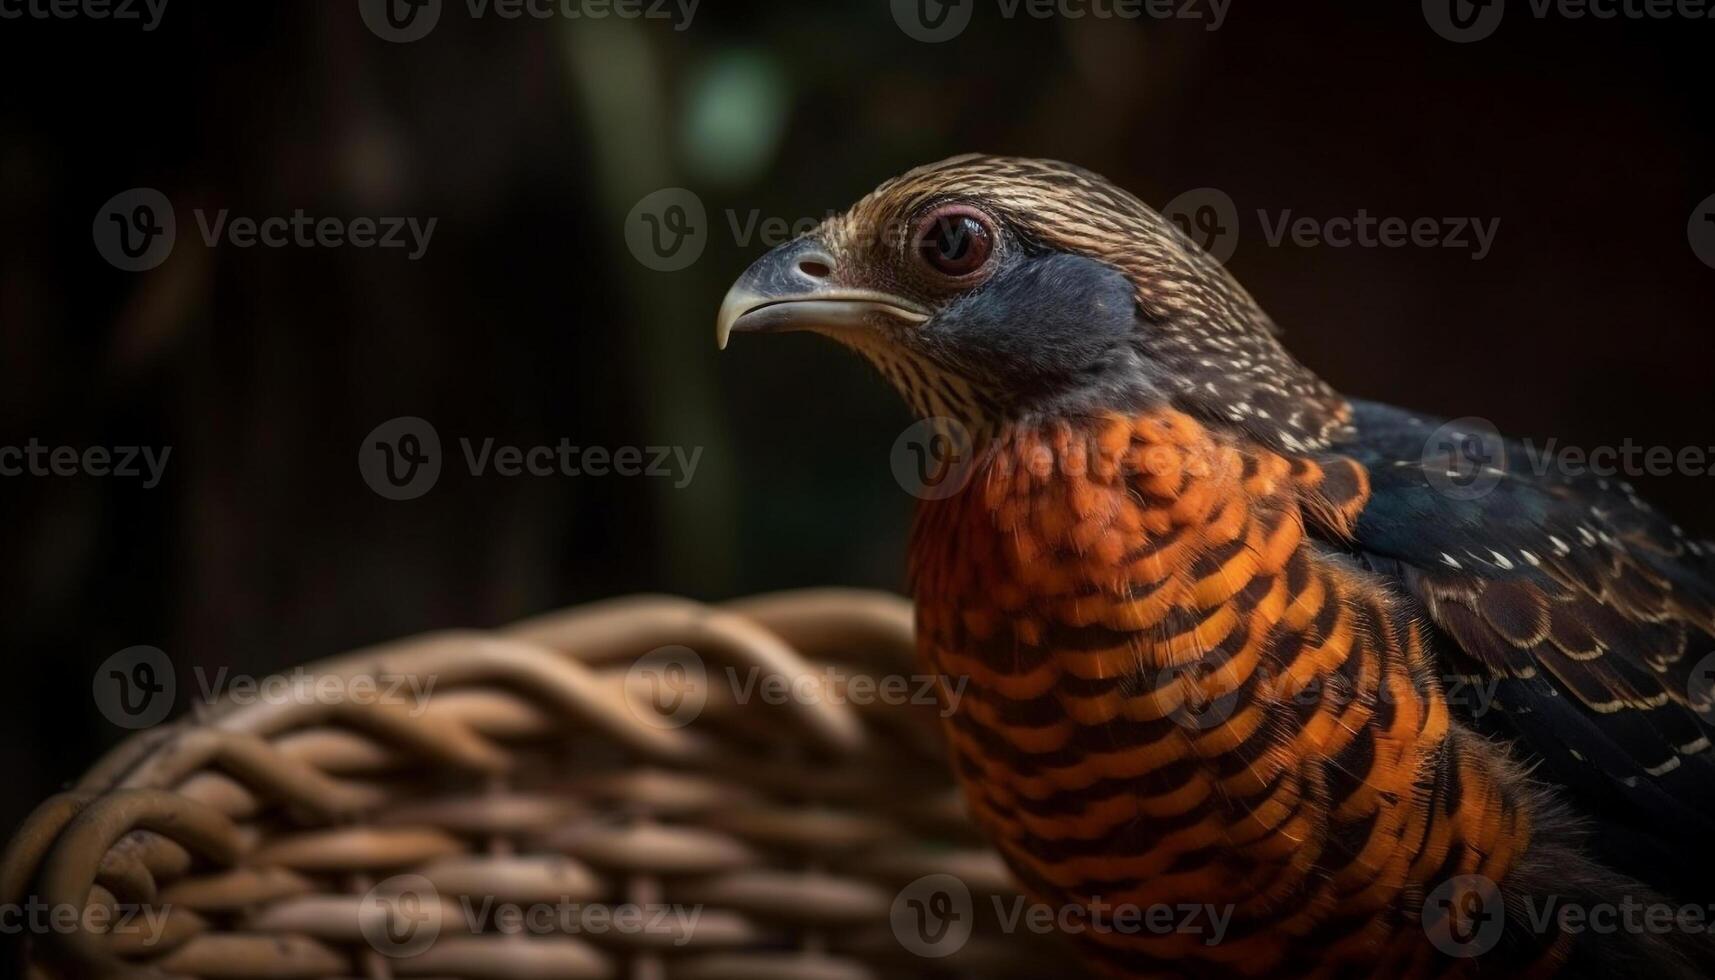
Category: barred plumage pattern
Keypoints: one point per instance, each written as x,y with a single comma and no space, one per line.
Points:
1175,697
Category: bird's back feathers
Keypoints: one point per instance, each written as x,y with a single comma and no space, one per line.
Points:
1569,614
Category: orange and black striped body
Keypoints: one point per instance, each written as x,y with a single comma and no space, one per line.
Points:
1175,698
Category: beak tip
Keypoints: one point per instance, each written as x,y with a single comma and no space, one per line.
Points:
739,301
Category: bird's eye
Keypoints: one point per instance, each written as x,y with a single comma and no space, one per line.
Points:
955,241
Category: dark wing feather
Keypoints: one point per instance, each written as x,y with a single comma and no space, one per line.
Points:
1583,621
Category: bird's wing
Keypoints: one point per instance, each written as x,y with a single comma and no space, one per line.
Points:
1579,618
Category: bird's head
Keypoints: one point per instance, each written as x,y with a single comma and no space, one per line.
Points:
997,289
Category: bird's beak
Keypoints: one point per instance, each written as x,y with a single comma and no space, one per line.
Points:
797,287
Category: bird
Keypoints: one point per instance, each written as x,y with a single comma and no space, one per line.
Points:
1392,698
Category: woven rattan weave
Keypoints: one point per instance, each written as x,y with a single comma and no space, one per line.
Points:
282,837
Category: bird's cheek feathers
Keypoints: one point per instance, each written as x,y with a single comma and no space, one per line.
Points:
1053,316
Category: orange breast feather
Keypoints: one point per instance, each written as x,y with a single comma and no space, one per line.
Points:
1175,697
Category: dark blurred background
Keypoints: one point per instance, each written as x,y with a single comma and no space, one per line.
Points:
529,319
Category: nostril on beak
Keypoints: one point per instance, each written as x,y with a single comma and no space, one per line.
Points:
816,266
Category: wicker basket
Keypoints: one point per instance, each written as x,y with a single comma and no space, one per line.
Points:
566,802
